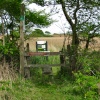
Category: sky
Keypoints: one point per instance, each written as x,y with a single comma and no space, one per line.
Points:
60,26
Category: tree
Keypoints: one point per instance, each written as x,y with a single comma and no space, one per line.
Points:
10,16
11,10
39,19
37,33
89,31
47,32
77,13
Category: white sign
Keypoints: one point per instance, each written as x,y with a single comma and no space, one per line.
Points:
41,42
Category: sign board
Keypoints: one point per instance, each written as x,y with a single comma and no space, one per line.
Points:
41,46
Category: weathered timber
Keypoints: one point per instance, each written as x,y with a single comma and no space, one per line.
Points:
26,72
62,61
47,70
27,47
42,53
43,65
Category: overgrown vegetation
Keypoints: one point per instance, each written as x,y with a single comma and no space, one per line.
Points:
81,86
81,80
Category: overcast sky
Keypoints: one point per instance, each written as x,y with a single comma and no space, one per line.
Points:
56,27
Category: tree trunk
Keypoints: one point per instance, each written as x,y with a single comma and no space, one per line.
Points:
74,49
75,40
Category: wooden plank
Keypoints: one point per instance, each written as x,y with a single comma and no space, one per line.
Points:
47,70
42,53
43,65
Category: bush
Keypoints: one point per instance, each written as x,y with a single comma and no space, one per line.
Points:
87,78
86,86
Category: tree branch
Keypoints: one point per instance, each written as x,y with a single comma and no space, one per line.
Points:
75,11
65,13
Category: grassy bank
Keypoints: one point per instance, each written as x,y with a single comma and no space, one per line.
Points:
38,90
57,87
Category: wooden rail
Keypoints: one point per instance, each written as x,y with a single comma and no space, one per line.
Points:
42,65
43,53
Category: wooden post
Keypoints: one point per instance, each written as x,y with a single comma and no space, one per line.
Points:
22,19
27,72
62,61
69,53
3,34
27,47
47,70
27,69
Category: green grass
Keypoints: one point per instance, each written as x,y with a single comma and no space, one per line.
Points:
45,60
40,88
56,87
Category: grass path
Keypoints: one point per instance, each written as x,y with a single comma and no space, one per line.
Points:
37,90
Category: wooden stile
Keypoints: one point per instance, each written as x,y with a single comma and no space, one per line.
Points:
46,68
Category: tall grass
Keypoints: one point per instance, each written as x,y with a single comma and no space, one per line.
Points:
7,73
